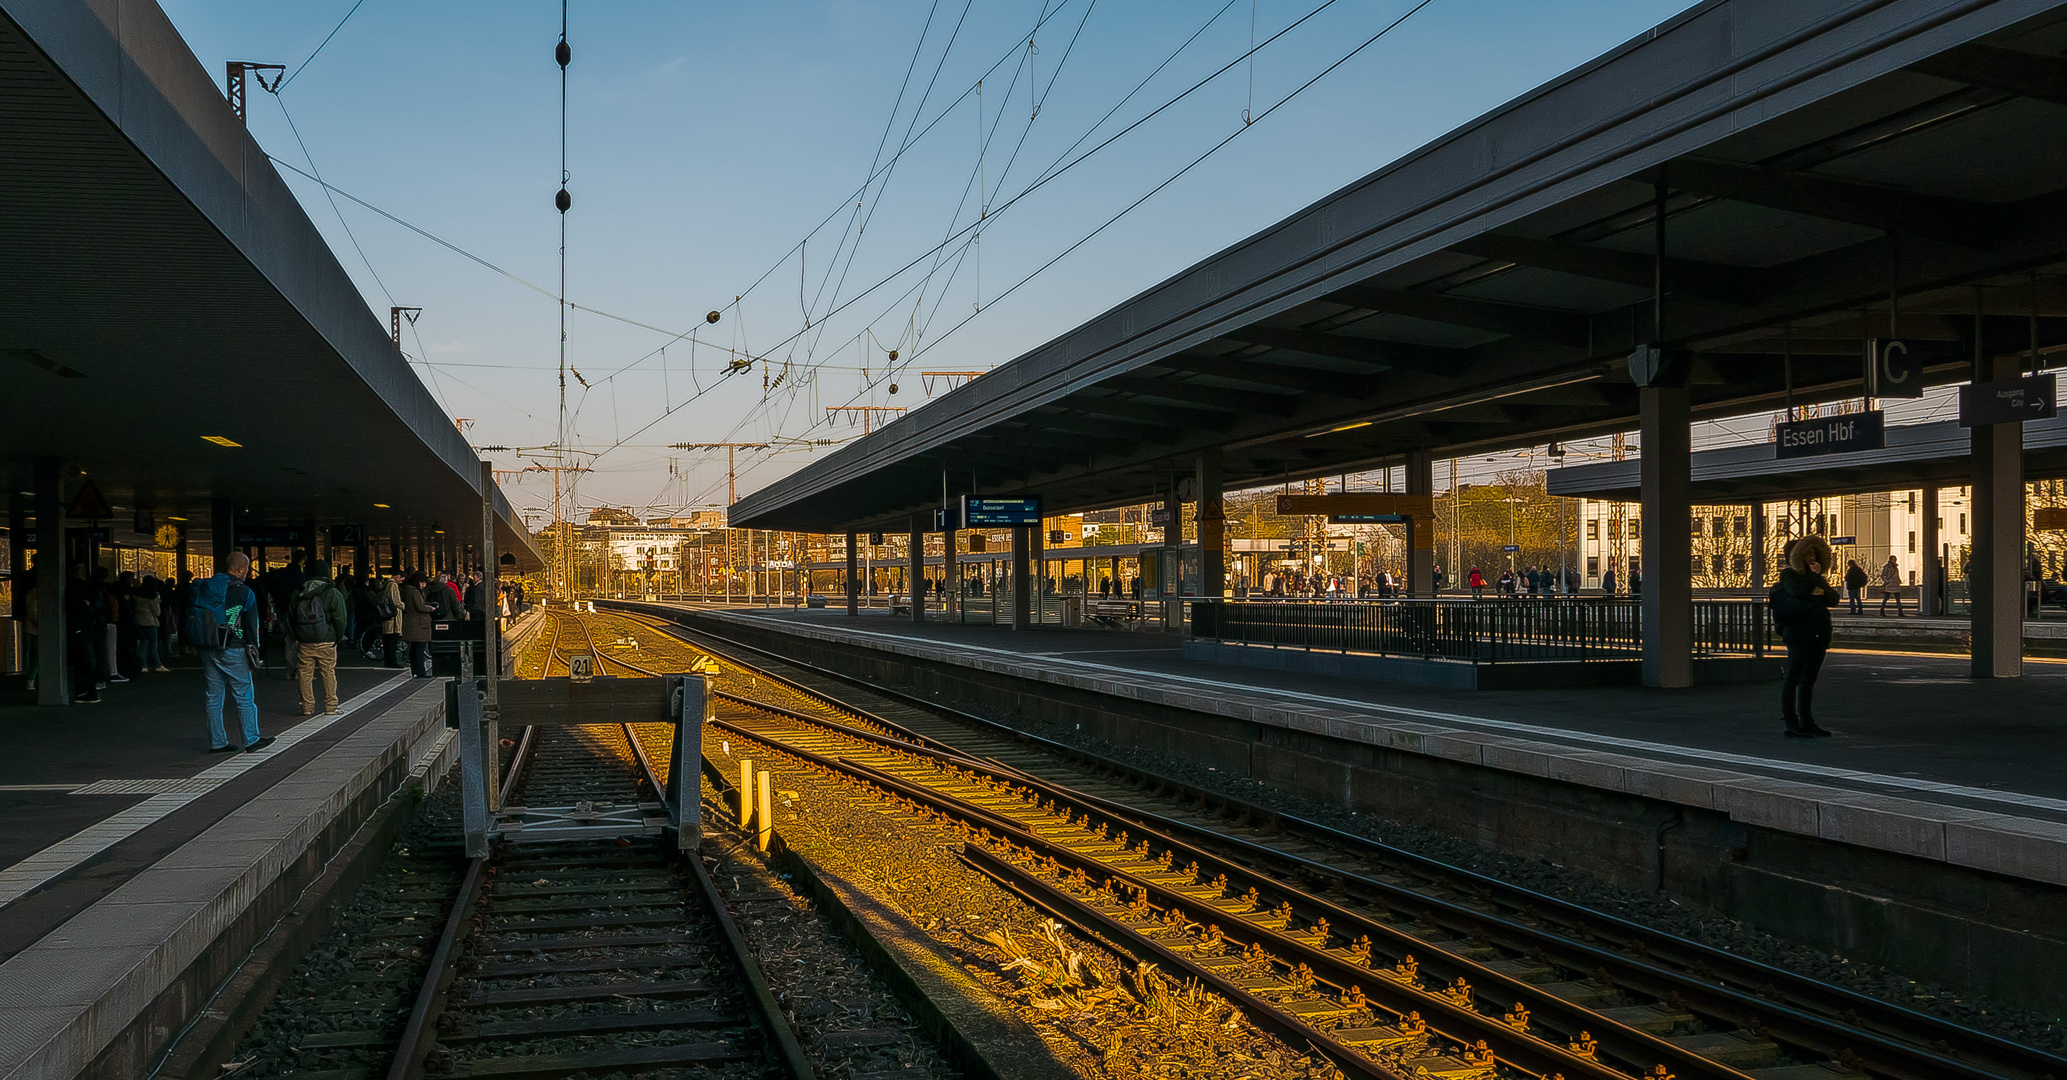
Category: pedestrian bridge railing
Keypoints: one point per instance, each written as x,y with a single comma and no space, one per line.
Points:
1563,629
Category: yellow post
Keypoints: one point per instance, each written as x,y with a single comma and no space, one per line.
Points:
746,793
767,818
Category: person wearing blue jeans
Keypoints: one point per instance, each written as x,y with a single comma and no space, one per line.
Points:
226,670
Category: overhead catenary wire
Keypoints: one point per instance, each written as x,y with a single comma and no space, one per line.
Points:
1188,167
1061,168
299,68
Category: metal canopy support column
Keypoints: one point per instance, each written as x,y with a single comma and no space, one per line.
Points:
222,528
1758,544
53,677
853,579
1169,576
1931,593
491,635
1996,582
1666,467
1420,531
1021,587
1212,518
917,573
950,577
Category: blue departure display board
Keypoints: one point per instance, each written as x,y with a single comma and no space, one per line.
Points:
994,513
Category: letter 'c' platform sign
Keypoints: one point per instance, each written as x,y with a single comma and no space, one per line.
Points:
1845,434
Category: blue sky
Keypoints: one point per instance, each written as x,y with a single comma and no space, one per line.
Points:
705,142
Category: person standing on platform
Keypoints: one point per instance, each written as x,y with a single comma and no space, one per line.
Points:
150,606
316,618
82,613
389,608
1891,587
1801,609
1478,584
182,596
1607,581
1855,585
419,612
122,658
476,597
222,624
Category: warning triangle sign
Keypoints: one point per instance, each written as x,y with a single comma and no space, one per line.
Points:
88,503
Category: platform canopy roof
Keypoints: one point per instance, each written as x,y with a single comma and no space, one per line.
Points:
1484,292
159,284
1916,455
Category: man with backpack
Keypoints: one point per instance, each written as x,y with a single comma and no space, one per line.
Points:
316,620
222,625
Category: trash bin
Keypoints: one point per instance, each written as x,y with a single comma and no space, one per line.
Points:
449,639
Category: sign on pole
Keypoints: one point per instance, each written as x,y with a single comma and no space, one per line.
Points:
2009,401
1892,370
271,536
1358,502
1845,434
997,513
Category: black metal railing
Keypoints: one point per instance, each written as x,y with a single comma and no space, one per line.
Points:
1581,629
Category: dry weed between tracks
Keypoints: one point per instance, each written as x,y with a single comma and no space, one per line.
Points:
1102,1015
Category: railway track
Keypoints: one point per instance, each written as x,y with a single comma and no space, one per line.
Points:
1389,961
590,956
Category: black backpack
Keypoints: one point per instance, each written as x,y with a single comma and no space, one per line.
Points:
311,617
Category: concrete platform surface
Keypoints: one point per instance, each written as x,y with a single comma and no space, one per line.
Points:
66,769
111,936
1927,762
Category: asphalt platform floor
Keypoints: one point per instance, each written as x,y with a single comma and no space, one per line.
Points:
150,728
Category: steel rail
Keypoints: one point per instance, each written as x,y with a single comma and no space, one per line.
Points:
421,1031
1888,1039
1453,1020
781,1045
784,1048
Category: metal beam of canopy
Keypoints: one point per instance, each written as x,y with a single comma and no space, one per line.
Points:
1811,173
171,322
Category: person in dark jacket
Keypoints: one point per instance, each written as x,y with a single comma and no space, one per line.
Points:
445,597
316,619
418,613
1855,584
1801,608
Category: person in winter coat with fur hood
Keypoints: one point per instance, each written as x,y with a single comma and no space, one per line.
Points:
1801,610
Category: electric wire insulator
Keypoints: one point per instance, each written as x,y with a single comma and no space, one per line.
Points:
563,200
711,318
562,53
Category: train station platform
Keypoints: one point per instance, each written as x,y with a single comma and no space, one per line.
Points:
1930,833
138,869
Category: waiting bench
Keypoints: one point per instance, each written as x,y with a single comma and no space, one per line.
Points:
1114,613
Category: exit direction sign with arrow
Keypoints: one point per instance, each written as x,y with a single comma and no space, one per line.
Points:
2009,401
